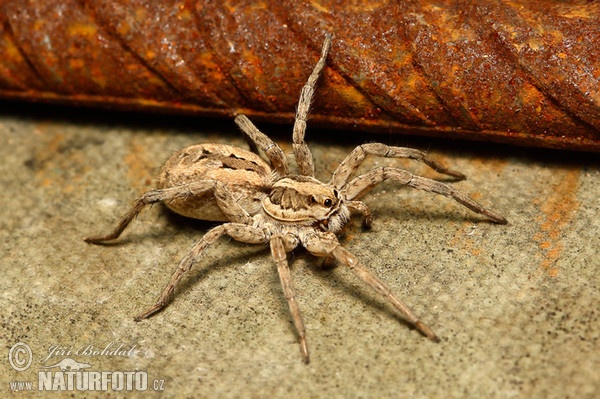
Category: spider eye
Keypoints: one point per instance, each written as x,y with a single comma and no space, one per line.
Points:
328,202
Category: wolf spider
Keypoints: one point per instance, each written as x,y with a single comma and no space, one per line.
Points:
261,202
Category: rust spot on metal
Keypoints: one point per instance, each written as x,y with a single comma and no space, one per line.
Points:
521,72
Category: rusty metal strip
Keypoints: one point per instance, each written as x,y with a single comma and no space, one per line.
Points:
523,72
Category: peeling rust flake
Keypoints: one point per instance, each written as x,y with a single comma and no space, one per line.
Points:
522,72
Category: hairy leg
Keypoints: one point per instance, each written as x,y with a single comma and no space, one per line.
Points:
279,255
325,244
364,183
302,153
271,149
353,161
149,198
223,196
363,209
238,232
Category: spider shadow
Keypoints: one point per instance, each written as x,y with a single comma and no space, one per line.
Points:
435,216
238,256
345,286
232,258
323,269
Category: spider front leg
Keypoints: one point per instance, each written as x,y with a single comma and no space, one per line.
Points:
353,161
364,183
326,244
237,231
363,209
278,251
302,153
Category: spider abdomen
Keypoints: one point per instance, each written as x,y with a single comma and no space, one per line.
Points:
246,175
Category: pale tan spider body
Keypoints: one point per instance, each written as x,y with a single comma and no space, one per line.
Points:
245,174
261,202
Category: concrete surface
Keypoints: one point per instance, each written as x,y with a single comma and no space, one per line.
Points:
516,306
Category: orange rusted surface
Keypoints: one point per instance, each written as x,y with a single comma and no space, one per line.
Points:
524,72
557,212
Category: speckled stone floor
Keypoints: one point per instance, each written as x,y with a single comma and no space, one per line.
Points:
516,306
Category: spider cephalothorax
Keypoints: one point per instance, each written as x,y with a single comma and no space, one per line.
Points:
262,203
305,201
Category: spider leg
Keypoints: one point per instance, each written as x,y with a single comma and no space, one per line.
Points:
302,153
229,206
223,196
279,255
271,149
361,207
237,231
364,183
327,245
353,161
149,198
